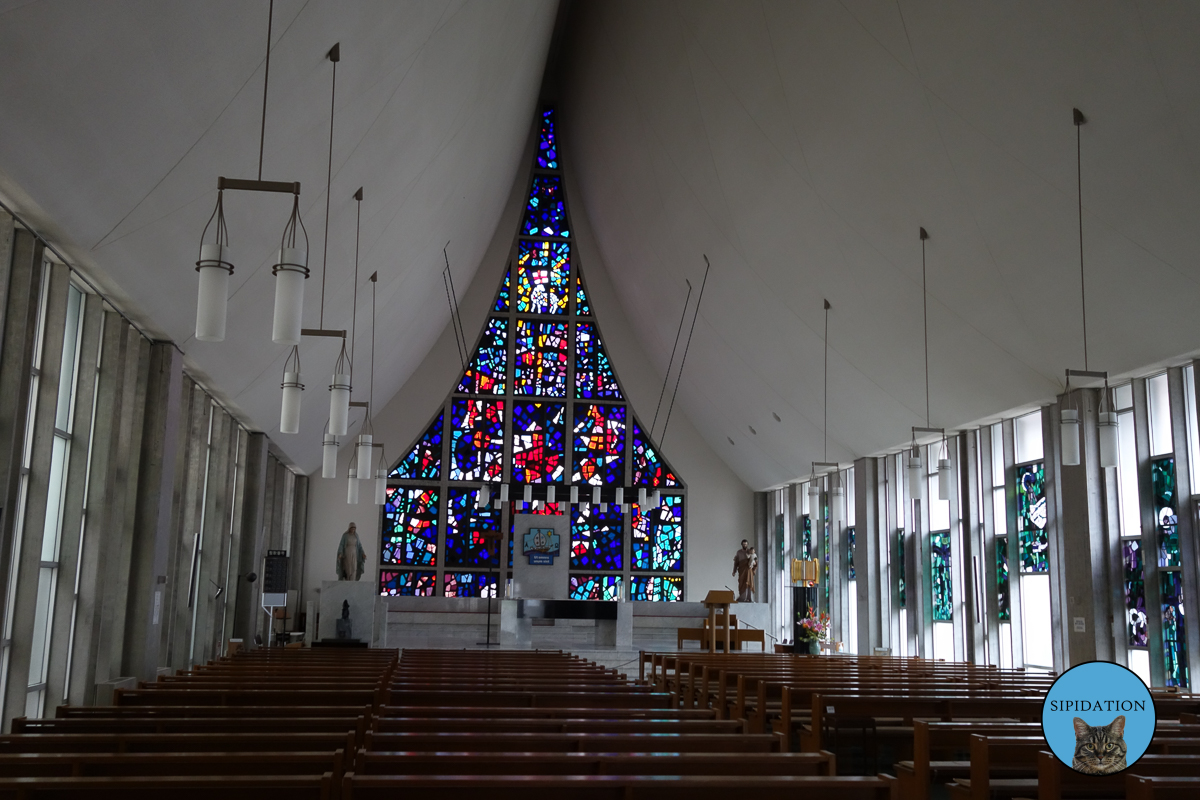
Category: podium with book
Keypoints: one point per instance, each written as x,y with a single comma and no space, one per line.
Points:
718,599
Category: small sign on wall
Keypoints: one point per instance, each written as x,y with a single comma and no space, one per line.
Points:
1080,624
540,546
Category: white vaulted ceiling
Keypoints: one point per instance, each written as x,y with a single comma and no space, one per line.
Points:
798,144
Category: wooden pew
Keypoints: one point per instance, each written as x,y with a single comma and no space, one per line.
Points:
572,742
258,787
161,725
941,752
533,699
581,712
1139,787
65,765
1015,755
174,742
1056,780
370,763
552,725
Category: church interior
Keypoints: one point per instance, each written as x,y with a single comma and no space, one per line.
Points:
645,399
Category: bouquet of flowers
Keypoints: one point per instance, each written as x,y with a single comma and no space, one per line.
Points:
814,627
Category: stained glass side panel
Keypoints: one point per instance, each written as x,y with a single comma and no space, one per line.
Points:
599,445
658,536
540,358
1031,517
806,538
656,587
943,594
648,468
424,461
1003,596
547,155
1136,620
401,584
900,587
594,377
595,587
545,213
850,550
543,277
597,537
1174,638
410,519
502,298
487,370
477,440
539,433
469,584
472,534
825,557
1162,478
582,307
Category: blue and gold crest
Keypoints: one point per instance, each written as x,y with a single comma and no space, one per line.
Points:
541,545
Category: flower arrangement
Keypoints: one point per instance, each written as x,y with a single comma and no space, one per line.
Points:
814,627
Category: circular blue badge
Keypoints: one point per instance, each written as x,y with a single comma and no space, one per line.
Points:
1098,718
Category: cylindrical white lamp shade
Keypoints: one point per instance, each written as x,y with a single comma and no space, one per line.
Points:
366,455
656,499
550,494
1108,439
1069,434
352,485
916,477
289,409
642,497
527,494
339,404
574,494
329,454
290,272
504,493
596,495
814,503
380,486
943,479
481,499
214,267
621,497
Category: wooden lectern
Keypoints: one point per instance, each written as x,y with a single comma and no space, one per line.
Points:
722,599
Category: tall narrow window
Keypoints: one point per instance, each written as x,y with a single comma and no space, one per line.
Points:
1137,631
1164,503
1033,542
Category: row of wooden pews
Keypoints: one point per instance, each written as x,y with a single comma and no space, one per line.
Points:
972,732
273,723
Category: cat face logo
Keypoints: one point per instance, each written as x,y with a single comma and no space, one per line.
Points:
1099,749
1098,718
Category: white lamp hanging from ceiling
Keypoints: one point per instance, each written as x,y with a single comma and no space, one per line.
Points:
352,485
329,455
1069,434
656,498
1107,425
364,449
292,388
916,473
215,265
574,494
381,479
291,271
814,501
944,474
551,494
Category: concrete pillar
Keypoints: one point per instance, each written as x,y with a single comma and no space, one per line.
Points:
246,598
188,396
153,512
233,567
218,488
990,586
1014,542
299,545
7,234
839,566
974,561
192,497
869,554
958,558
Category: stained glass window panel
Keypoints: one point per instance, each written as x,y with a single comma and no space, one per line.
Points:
1162,478
407,584
806,538
943,594
424,461
1136,620
658,536
547,155
1003,596
582,306
597,537
648,469
599,445
1174,637
543,277
477,440
469,584
594,376
410,518
657,588
539,433
900,587
595,587
850,550
472,534
540,358
545,213
488,367
502,297
1031,517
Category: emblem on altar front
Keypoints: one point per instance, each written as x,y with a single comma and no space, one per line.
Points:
541,545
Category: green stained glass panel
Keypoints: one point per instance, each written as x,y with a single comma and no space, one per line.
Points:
1031,517
1003,601
1162,478
943,593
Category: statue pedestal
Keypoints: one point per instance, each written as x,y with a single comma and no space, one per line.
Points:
368,614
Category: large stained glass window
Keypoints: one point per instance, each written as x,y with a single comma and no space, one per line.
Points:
489,366
424,461
410,518
538,442
477,444
1170,578
538,405
1003,598
900,585
850,551
1031,517
599,445
1175,658
1136,621
943,593
806,538
541,358
1162,478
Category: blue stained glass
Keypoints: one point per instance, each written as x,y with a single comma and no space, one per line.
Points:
594,377
582,307
543,277
486,371
1031,518
477,441
648,468
469,584
410,518
545,213
400,584
547,156
541,358
1136,619
658,536
599,445
943,591
850,550
597,537
502,297
1175,657
1162,478
659,588
1003,596
805,538
424,461
539,433
595,587
472,534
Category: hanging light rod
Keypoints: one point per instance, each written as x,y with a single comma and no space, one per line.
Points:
323,332
921,429
1086,373
245,185
359,404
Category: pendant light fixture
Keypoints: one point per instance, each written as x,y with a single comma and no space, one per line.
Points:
341,385
944,473
329,454
215,265
1068,422
352,485
574,494
914,463
551,494
656,498
289,411
814,501
365,447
